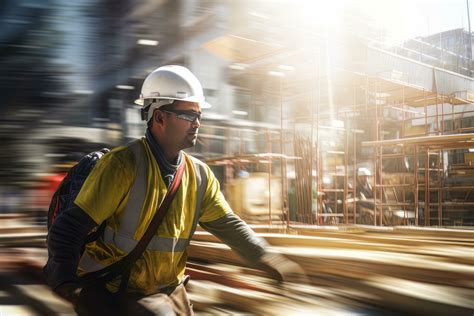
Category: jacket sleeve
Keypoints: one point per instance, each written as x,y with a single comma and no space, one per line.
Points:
238,235
65,239
241,238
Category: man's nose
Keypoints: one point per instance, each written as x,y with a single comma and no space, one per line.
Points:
196,123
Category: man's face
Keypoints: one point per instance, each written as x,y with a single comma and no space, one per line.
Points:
363,179
179,131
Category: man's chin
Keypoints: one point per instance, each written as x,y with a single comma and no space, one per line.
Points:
191,143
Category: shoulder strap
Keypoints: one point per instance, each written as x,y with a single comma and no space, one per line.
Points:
159,215
110,272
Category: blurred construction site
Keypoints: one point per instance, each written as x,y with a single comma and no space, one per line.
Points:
343,132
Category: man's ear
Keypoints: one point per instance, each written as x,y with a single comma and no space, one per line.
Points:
158,117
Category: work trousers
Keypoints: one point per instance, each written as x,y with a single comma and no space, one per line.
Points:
99,301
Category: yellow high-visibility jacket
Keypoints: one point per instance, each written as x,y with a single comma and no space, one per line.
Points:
126,188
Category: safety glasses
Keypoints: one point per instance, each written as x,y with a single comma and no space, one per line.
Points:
187,115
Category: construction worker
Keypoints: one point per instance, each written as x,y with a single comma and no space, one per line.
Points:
171,99
366,200
363,188
365,197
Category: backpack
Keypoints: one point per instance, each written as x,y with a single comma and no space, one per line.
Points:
64,196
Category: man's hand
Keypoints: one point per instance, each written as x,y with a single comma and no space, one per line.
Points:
69,291
283,269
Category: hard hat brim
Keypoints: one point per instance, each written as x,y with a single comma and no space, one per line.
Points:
202,103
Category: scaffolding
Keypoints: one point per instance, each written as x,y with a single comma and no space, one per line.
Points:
409,122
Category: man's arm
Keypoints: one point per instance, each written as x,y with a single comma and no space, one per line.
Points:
65,240
217,218
240,237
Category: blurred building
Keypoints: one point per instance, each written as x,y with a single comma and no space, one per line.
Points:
451,50
300,93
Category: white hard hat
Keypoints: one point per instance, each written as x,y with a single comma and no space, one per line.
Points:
363,172
167,84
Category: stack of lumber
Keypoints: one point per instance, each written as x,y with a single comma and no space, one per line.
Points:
403,270
353,270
